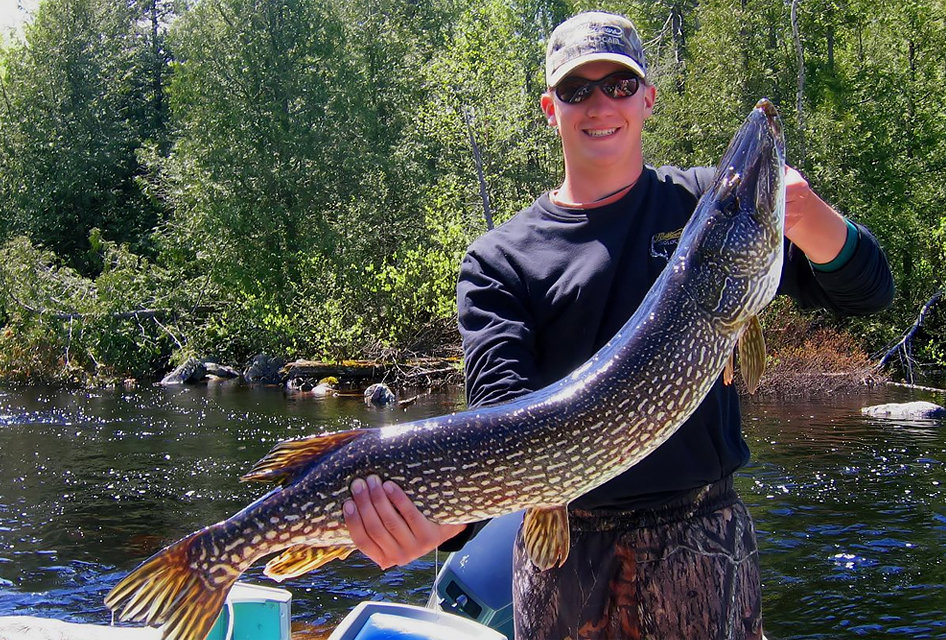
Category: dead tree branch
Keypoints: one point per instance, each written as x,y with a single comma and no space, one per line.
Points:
478,160
904,346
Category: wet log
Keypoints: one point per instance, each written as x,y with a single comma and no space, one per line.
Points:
420,370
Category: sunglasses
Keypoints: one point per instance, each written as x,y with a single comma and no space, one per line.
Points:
617,85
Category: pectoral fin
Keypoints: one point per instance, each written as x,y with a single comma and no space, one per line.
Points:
545,533
752,354
303,558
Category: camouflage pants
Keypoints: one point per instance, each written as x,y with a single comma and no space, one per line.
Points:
685,572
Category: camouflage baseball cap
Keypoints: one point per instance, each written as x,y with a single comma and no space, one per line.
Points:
592,36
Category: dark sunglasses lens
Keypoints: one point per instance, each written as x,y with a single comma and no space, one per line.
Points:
617,85
623,86
573,90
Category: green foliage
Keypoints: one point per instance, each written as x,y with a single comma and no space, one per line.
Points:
76,104
415,292
297,176
60,323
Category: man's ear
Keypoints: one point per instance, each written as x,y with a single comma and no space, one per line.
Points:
548,108
650,98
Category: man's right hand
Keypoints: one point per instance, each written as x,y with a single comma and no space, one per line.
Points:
387,527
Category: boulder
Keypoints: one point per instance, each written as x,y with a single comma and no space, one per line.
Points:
264,370
379,395
221,370
918,410
192,371
325,387
298,384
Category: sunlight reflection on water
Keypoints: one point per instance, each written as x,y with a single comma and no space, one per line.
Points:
850,511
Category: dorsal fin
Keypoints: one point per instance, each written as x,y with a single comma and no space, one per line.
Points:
291,458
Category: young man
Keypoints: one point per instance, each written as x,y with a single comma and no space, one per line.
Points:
666,550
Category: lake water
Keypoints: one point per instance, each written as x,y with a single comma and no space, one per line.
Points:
850,511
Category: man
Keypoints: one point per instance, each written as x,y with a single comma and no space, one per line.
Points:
667,549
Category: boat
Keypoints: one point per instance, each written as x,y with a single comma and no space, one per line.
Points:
471,598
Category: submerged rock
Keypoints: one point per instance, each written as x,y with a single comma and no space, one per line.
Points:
379,395
917,410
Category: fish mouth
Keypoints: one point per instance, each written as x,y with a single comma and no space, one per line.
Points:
767,108
753,165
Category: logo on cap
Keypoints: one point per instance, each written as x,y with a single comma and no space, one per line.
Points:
613,31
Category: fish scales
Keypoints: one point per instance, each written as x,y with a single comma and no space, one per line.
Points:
538,452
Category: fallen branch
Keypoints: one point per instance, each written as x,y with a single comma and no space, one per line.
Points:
120,315
904,347
363,370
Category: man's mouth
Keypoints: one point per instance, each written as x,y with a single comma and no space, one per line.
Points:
601,133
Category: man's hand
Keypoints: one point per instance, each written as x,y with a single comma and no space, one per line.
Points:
810,223
797,192
387,527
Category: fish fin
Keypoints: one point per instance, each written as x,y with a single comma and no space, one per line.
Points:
752,354
545,534
166,590
729,371
302,558
291,458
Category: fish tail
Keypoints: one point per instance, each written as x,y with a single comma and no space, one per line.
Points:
169,589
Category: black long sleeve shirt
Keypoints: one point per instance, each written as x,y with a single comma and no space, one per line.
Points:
540,294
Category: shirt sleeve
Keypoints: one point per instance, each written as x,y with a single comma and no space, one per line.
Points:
860,286
497,330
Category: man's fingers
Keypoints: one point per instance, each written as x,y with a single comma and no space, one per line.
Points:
371,521
360,536
387,526
390,518
418,524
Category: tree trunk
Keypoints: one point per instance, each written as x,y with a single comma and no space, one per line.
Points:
800,93
478,160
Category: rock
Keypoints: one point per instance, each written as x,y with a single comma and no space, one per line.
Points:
298,384
221,370
379,395
188,373
918,410
325,387
264,370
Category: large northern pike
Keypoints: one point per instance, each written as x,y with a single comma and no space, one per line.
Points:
538,452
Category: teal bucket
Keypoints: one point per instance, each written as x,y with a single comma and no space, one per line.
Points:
256,613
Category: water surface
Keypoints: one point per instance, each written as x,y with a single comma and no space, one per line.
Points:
850,511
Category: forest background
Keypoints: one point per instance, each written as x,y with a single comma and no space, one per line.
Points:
300,177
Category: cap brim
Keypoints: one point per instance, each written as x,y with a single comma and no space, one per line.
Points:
571,65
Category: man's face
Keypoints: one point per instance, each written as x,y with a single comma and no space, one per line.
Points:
600,131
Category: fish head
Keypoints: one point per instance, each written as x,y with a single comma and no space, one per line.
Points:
735,236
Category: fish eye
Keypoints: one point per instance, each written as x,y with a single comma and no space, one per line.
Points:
729,204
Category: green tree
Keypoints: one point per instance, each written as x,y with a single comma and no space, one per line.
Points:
75,107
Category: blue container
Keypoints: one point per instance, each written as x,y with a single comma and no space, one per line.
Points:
391,621
258,613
